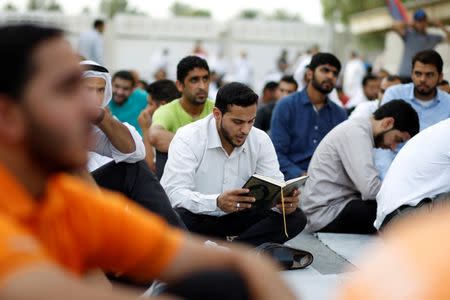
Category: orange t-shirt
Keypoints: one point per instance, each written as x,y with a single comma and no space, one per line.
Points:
80,228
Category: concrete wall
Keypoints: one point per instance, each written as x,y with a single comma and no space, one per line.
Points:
131,41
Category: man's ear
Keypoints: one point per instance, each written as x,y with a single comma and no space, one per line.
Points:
12,122
387,123
180,86
309,74
217,114
441,77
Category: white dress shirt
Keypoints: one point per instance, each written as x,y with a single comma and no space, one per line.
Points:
420,170
199,169
90,46
104,151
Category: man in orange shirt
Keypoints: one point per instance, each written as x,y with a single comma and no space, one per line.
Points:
53,227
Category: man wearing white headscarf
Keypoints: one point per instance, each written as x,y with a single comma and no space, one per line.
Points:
114,140
117,159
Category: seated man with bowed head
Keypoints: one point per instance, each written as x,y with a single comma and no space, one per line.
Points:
343,180
209,162
419,176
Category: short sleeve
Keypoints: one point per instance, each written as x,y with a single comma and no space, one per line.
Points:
116,234
18,249
163,118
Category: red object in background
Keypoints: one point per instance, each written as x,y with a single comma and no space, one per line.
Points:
397,10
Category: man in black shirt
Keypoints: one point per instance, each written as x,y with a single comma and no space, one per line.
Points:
286,86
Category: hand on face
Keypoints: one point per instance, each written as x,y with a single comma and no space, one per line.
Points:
145,118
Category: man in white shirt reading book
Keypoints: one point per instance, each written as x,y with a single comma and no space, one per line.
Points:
210,161
339,195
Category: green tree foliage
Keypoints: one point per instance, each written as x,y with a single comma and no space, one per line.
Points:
9,7
185,10
284,15
249,14
344,8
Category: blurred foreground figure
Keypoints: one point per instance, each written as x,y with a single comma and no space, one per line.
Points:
54,228
412,263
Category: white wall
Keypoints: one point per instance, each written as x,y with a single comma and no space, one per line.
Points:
130,41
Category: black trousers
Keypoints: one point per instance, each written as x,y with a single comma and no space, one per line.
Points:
357,217
217,285
251,226
138,183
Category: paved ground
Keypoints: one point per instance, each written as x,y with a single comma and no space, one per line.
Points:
334,256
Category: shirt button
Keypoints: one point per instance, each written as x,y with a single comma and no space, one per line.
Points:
316,127
315,141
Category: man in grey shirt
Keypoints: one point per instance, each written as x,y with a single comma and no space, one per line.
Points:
416,38
343,181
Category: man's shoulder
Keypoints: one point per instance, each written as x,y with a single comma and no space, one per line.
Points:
286,104
399,91
195,131
444,97
168,108
259,136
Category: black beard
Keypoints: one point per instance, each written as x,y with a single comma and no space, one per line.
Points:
227,136
319,87
430,93
379,139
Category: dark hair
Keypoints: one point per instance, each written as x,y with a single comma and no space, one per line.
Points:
323,58
368,78
405,116
17,44
391,78
98,23
163,90
443,82
271,86
235,93
188,64
429,57
144,83
289,79
126,75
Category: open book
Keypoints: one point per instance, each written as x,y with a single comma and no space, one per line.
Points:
267,191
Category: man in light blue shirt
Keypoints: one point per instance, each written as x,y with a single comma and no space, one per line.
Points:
432,104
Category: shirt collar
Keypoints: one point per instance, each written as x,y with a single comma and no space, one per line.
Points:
304,99
437,99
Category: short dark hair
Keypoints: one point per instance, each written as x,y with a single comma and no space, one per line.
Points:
429,57
271,86
391,78
405,116
324,58
17,44
126,75
98,23
188,64
144,83
235,93
368,78
289,79
163,90
443,82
